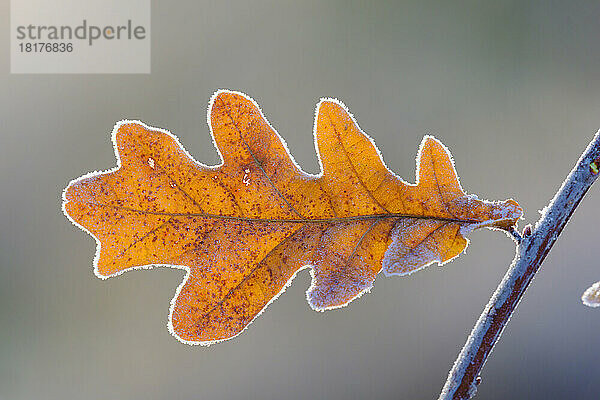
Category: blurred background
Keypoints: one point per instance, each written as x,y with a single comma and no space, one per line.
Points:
511,87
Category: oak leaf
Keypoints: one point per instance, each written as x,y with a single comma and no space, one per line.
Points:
244,228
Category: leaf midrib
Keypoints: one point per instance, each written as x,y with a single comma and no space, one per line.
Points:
332,220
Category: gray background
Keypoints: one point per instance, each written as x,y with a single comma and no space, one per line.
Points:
511,87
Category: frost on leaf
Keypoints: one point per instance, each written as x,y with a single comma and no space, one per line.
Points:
244,228
591,297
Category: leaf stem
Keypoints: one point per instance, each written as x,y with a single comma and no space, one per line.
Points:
463,378
515,235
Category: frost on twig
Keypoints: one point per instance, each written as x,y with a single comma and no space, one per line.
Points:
531,252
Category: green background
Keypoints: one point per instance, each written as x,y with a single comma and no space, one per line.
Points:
511,87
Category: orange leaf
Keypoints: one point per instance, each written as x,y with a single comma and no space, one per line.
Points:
244,228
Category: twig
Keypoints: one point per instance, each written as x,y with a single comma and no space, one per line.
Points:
532,250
